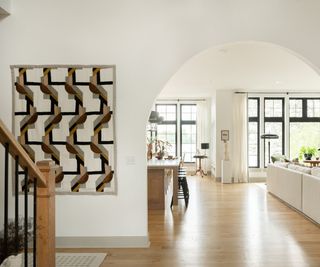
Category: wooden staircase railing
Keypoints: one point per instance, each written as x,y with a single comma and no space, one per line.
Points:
40,177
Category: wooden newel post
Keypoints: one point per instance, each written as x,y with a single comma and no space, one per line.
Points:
46,216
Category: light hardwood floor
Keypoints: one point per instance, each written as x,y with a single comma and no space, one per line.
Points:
225,225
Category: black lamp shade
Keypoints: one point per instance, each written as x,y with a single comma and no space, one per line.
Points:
269,136
154,117
204,145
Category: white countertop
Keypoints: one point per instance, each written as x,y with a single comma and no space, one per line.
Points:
163,163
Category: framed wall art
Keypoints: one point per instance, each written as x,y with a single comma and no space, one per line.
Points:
225,135
65,113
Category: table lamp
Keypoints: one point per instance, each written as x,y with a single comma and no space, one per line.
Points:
205,146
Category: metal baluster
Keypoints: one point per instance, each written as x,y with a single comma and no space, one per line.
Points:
16,204
6,202
26,218
34,222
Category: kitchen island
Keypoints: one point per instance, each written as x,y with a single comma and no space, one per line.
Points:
162,183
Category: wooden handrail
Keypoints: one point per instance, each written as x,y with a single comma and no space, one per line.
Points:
15,149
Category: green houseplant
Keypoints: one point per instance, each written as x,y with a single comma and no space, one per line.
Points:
12,245
307,152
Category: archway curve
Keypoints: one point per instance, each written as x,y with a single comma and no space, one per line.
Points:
220,47
264,57
301,69
261,63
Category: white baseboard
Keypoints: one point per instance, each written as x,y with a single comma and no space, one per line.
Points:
257,179
102,242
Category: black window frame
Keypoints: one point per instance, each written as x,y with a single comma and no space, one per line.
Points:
296,98
256,119
304,117
274,119
186,122
166,122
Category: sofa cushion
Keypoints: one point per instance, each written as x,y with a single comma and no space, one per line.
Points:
315,172
281,164
278,157
299,168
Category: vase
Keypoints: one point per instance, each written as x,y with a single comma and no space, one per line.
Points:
308,156
13,261
160,155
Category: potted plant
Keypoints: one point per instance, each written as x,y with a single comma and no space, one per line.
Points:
12,246
161,148
307,152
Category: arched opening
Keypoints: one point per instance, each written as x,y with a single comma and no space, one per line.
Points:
273,79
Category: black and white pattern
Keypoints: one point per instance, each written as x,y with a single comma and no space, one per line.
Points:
66,113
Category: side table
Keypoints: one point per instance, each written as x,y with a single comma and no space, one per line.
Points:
199,169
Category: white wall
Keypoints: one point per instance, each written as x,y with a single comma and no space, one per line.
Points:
213,134
5,7
148,41
223,122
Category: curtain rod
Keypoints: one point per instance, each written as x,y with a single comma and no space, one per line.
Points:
179,99
279,93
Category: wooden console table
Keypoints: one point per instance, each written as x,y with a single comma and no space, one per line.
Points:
161,186
313,163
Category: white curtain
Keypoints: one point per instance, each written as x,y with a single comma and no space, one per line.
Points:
203,129
240,138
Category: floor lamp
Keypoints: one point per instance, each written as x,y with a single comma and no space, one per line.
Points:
269,137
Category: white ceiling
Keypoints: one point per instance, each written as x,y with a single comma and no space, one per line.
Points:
248,66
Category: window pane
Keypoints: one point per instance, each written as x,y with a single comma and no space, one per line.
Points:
188,112
188,141
275,144
171,138
186,116
303,134
167,132
172,151
313,107
171,108
186,108
188,157
296,108
194,116
273,107
161,108
253,107
168,112
171,129
169,116
253,144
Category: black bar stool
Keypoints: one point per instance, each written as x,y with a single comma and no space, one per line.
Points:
183,189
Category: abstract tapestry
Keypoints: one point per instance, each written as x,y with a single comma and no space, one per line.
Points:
66,114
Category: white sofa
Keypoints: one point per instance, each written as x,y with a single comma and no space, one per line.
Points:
285,184
298,186
311,197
